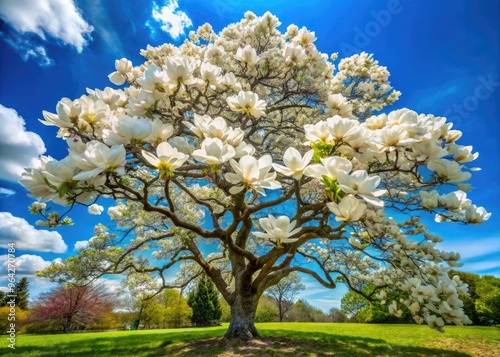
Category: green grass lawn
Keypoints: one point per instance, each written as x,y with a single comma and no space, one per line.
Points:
279,339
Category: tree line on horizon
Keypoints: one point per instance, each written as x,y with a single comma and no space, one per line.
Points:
93,307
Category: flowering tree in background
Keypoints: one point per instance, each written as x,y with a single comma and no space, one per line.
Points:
246,154
72,307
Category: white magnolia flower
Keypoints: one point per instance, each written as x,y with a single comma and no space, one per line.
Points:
343,129
114,98
229,80
210,74
317,132
462,154
435,322
294,163
329,167
305,37
349,209
393,309
67,115
337,104
454,201
95,209
376,122
243,149
246,55
252,173
234,137
476,215
99,158
294,53
140,101
278,229
182,145
390,137
199,126
167,161
448,170
125,130
247,103
214,152
154,79
359,183
180,70
429,199
122,66
206,127
159,132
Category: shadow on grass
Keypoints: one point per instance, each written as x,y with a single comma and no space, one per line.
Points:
209,343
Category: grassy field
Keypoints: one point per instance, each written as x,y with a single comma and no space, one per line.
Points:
279,339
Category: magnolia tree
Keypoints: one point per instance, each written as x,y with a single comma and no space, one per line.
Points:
249,155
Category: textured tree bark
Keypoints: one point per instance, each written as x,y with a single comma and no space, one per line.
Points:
242,324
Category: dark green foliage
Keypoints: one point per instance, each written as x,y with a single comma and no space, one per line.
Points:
22,294
488,302
204,301
360,309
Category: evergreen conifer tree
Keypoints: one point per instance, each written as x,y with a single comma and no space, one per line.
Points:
204,301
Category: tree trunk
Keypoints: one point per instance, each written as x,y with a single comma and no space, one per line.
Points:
280,305
242,319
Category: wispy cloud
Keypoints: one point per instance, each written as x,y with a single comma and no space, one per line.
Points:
472,247
33,21
99,16
18,148
172,21
30,50
6,192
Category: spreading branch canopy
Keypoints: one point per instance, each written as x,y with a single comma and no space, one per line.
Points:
250,155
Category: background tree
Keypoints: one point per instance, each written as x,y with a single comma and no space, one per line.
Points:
204,301
336,315
72,307
138,291
488,300
253,141
361,309
284,292
177,313
22,293
266,310
21,290
303,311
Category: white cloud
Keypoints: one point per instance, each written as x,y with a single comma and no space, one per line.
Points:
18,148
112,285
57,18
81,244
6,191
471,248
172,21
27,50
27,237
26,264
95,209
482,267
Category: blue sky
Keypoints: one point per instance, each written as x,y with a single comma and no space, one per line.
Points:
443,56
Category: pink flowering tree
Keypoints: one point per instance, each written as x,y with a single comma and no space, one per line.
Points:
249,155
